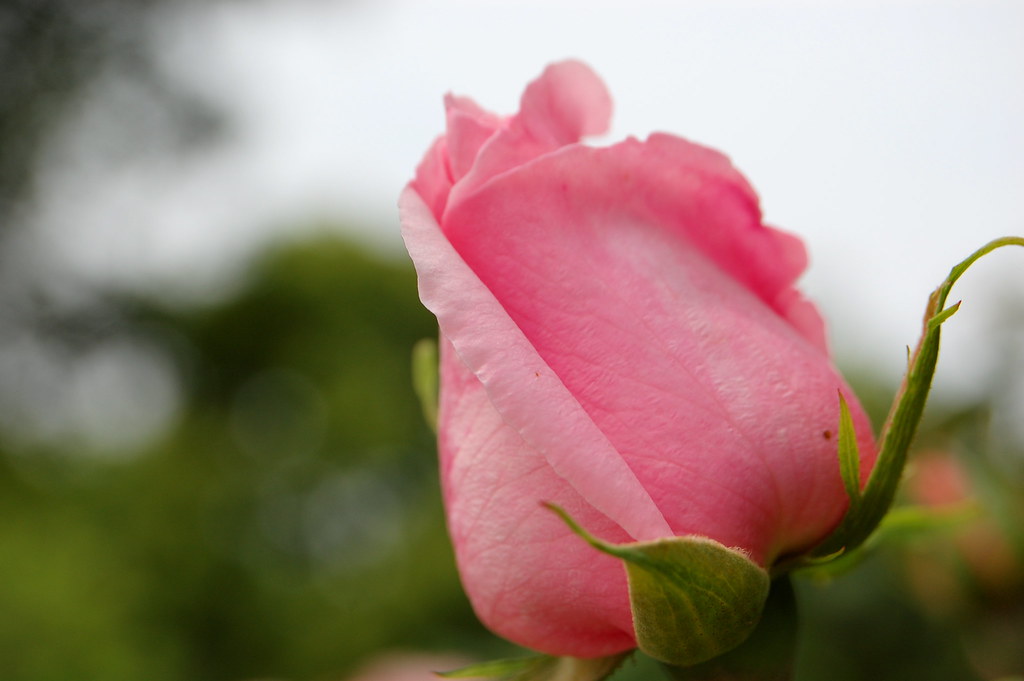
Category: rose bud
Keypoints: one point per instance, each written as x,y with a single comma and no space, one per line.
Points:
620,337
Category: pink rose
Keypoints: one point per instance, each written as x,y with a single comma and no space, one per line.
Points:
620,336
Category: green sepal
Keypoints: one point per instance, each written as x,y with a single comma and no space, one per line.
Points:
692,598
769,654
541,668
849,454
424,378
877,496
938,319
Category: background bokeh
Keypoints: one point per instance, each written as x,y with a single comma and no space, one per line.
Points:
212,464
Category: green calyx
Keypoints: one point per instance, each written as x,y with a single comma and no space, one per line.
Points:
869,506
692,598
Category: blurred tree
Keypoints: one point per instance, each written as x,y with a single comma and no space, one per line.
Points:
54,54
51,51
289,524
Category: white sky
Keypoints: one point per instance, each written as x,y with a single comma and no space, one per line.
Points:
888,135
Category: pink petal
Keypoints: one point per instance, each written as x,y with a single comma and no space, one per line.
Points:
696,192
565,103
643,279
529,396
518,561
804,316
433,179
469,127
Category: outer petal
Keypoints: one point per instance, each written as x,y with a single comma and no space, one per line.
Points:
804,317
434,180
696,193
519,564
622,268
530,398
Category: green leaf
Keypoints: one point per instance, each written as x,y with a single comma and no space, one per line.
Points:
424,378
849,454
897,434
542,668
692,598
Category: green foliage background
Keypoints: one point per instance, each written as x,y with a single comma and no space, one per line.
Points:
289,523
